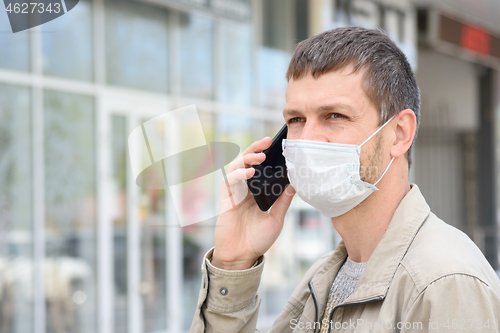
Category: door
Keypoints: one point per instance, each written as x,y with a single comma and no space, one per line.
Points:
136,245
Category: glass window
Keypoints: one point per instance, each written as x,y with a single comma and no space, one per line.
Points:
273,56
15,46
195,58
70,213
274,24
309,240
301,20
273,65
197,238
16,226
136,46
152,216
67,44
119,219
237,129
237,59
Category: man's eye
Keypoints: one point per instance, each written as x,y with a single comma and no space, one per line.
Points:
337,115
294,120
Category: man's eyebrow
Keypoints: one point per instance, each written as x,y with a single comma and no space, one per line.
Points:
326,107
291,112
336,106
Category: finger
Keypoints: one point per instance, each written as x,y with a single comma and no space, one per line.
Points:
234,183
254,148
246,161
281,205
259,146
239,175
237,163
253,159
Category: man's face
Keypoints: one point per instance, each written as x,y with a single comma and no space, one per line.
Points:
335,108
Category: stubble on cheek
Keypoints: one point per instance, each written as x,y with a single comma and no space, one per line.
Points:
371,165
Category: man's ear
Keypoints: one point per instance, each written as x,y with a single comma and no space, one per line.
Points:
406,125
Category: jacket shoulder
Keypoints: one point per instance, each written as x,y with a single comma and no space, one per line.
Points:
439,250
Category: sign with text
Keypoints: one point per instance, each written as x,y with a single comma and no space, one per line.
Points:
471,38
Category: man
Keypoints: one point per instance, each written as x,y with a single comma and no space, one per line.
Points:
352,111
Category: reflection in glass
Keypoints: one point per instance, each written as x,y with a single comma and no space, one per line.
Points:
136,45
16,251
15,47
152,217
70,213
119,219
196,48
237,57
67,44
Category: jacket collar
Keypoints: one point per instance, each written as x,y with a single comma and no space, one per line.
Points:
385,259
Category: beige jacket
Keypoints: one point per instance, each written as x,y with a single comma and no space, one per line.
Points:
424,276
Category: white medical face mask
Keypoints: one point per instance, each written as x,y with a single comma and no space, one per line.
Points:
326,174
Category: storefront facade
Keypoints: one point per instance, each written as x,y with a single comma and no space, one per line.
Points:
83,248
456,155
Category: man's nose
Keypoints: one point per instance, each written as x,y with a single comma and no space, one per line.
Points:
313,131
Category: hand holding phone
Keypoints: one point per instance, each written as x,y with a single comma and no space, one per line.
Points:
270,178
245,232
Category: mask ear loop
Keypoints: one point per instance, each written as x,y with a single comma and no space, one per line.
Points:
371,136
384,172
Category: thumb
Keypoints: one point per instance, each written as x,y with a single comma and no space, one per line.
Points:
281,205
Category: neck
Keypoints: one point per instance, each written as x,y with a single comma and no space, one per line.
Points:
362,227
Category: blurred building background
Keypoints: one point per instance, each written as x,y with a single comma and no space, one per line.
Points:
83,249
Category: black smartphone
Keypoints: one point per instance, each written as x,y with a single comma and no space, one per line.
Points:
270,178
